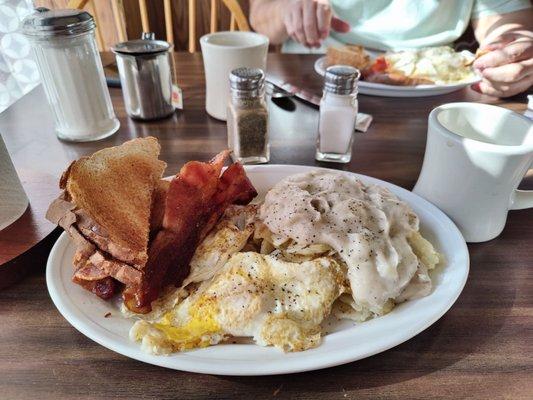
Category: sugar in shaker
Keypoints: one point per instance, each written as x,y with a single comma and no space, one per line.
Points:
73,78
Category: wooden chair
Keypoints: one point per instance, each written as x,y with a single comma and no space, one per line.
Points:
238,19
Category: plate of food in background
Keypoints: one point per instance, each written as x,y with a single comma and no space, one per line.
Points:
408,73
254,270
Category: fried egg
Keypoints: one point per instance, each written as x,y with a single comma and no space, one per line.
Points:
275,302
442,65
228,237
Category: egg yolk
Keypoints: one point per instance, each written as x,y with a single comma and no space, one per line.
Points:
196,332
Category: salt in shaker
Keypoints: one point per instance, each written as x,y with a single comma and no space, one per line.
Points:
71,70
247,117
338,113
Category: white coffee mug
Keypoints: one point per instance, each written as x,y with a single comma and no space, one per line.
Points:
222,52
476,156
13,200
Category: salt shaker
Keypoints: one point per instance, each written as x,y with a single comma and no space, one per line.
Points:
73,78
338,114
247,117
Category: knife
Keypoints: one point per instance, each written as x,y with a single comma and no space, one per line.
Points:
279,88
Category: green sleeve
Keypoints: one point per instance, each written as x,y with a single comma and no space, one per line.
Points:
485,8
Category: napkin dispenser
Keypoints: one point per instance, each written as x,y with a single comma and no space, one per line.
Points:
13,199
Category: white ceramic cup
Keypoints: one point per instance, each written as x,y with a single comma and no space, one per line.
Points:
476,156
222,52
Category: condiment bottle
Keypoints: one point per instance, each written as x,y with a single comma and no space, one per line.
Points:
338,113
247,117
73,78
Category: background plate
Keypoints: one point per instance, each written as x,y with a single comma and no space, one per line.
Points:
345,342
380,89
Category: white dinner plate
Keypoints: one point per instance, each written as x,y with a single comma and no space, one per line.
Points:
380,89
345,341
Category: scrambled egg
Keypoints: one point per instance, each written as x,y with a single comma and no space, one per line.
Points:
277,303
442,65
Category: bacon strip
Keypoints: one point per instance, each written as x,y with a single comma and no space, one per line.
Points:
381,72
196,199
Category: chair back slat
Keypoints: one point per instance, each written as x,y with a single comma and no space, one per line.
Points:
99,38
238,19
77,4
214,16
238,14
120,20
192,26
168,21
144,16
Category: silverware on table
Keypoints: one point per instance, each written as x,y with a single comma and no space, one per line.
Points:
278,90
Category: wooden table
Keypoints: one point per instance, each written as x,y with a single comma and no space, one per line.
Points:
480,349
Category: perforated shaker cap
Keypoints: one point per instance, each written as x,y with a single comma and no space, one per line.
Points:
46,23
247,78
341,79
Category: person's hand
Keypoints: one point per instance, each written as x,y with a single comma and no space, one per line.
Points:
507,67
309,21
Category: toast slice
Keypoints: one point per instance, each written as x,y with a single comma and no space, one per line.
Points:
115,187
351,55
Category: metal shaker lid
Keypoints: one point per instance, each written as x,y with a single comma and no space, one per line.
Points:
247,78
46,23
341,79
146,45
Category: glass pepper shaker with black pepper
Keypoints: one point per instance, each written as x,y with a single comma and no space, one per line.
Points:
248,117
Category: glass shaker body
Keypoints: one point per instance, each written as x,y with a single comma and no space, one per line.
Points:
247,120
338,114
336,127
74,82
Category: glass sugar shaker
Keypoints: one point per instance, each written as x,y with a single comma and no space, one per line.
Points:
338,114
247,117
64,46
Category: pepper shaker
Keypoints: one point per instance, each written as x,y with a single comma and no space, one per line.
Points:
247,117
338,114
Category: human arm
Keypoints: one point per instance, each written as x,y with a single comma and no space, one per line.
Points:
306,21
507,67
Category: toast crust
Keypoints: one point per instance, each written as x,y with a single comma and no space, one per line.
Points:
352,55
115,186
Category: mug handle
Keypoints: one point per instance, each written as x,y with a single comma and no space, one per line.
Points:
522,199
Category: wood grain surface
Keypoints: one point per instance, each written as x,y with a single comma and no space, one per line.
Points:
481,349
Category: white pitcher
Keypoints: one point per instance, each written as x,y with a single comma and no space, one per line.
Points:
476,156
13,200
